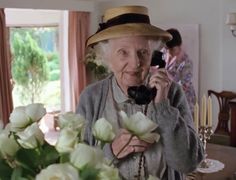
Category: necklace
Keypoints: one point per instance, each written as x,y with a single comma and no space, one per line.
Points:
142,172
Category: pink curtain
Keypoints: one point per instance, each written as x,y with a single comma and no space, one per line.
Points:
6,104
78,33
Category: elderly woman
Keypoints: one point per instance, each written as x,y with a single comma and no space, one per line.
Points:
126,39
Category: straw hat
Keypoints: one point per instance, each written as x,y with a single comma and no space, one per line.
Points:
127,21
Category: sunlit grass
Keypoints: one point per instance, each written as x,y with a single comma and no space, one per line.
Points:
50,96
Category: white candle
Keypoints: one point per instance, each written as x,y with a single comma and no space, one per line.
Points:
203,112
209,112
196,116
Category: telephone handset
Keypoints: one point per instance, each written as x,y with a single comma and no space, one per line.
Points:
143,94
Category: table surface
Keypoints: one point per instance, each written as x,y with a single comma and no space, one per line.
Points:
224,154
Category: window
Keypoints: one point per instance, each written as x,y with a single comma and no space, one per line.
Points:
42,34
35,37
35,66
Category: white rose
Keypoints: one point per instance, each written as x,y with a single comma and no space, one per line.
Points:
31,137
19,119
67,140
58,172
103,131
71,120
141,126
8,145
85,155
35,111
108,173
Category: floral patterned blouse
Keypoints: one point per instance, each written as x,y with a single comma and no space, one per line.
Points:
181,71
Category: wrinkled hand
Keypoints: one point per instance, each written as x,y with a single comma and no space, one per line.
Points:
162,81
125,144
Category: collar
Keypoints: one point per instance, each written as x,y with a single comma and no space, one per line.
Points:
119,95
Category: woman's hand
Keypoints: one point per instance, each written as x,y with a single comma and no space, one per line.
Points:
162,81
125,144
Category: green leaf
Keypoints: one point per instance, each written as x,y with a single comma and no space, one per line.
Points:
65,158
49,155
22,178
88,173
33,160
100,70
5,170
17,173
91,65
28,159
103,144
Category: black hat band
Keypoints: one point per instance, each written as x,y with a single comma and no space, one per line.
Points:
124,19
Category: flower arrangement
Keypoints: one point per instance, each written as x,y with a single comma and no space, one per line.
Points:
95,64
26,155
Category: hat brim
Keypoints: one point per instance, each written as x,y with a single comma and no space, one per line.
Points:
129,29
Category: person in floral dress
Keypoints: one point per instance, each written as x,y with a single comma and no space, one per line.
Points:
180,66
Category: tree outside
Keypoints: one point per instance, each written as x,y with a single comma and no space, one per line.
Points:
29,67
35,67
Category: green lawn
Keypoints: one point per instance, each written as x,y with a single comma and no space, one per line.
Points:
50,96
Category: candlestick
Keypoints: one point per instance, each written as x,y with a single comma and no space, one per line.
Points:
209,112
196,114
204,135
203,112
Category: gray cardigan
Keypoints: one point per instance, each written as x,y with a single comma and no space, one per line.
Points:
182,148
